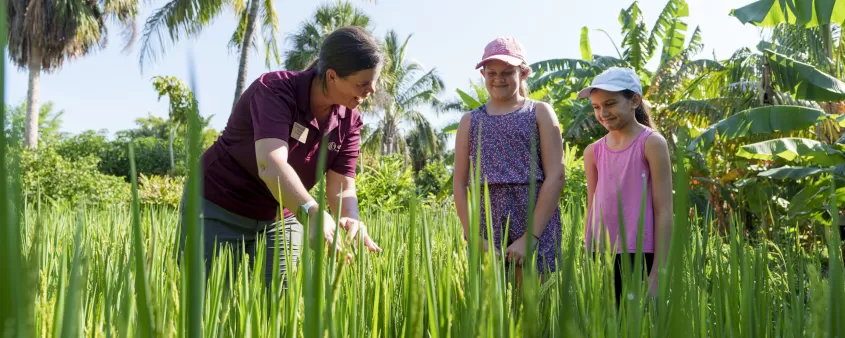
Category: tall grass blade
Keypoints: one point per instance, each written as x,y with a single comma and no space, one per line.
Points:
13,308
194,288
146,325
836,312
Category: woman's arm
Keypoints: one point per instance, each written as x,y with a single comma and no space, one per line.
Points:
340,189
551,148
460,178
279,176
657,155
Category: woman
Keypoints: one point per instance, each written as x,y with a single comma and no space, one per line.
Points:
271,144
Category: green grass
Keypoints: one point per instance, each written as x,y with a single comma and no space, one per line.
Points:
88,282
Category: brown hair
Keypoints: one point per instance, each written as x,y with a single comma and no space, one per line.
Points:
642,113
347,50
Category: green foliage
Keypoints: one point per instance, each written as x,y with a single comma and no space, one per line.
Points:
49,123
804,81
386,184
434,181
160,190
805,13
576,180
48,175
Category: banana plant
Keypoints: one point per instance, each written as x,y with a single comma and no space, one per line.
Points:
808,161
558,80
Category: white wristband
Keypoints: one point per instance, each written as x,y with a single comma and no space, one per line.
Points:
307,206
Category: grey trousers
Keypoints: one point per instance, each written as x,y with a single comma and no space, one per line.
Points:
221,228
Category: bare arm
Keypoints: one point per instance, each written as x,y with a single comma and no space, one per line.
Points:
278,175
591,172
551,148
340,187
460,180
657,155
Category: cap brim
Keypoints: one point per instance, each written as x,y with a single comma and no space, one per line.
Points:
584,93
513,61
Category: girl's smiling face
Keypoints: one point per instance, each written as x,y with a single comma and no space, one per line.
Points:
612,109
501,79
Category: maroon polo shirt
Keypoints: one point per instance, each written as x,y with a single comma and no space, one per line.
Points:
276,105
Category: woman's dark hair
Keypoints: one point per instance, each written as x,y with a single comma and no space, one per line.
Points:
643,112
347,50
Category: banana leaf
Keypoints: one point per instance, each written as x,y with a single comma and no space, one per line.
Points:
792,149
805,13
762,120
792,173
804,81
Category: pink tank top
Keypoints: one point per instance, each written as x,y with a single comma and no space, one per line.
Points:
623,171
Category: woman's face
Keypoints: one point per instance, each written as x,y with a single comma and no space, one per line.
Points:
352,90
501,79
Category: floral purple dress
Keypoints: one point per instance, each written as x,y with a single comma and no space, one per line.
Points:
505,165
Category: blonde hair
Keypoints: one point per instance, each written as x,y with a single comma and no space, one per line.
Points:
523,82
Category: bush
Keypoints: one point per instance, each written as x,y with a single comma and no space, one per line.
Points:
386,184
160,190
152,156
576,181
434,182
46,173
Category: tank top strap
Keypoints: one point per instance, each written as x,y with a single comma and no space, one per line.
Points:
642,139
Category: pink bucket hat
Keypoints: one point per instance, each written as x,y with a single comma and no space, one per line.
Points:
504,48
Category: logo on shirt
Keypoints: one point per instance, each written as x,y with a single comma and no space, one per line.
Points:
333,146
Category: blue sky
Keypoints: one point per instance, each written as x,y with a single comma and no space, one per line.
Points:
108,90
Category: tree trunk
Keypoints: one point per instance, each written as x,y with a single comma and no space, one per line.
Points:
172,159
245,45
33,93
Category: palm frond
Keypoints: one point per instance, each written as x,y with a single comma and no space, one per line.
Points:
177,19
270,29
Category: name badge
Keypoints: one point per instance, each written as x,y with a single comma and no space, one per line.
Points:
299,133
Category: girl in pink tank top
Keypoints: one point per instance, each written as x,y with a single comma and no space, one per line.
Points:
619,166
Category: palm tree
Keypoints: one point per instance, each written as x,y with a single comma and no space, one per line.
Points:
43,34
403,86
189,17
308,39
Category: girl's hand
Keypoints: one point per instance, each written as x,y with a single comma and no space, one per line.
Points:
355,227
652,283
516,251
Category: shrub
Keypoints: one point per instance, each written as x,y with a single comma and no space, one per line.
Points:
433,181
46,173
386,184
160,190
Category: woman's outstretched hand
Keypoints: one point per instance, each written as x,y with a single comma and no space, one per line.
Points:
328,233
356,228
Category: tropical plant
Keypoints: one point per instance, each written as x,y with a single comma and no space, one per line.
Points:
181,99
403,87
49,123
558,80
187,18
45,34
308,39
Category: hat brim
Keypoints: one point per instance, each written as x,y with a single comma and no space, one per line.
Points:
584,93
511,60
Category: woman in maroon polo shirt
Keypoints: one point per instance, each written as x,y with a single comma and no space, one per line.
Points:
271,143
